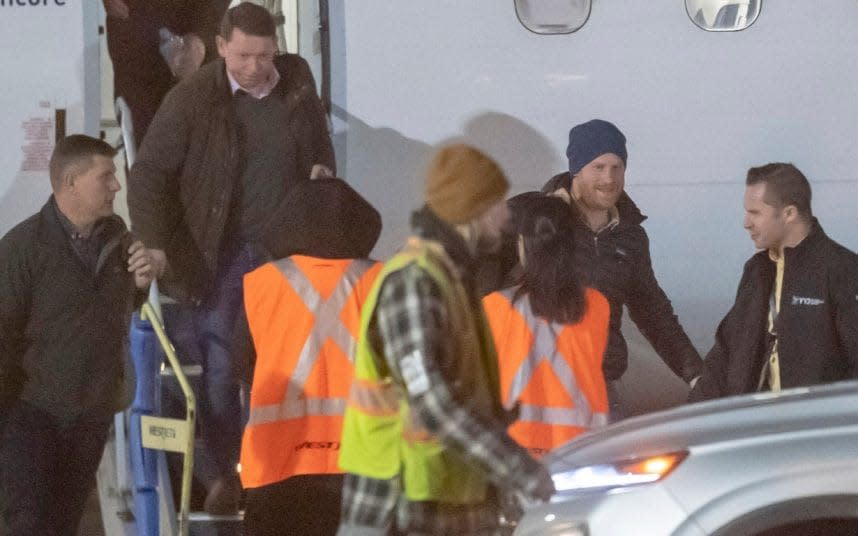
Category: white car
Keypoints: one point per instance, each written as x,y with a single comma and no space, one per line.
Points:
763,464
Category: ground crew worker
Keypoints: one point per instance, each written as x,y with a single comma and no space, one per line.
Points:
425,427
550,332
303,313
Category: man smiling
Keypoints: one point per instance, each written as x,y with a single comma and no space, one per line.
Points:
795,319
612,251
225,147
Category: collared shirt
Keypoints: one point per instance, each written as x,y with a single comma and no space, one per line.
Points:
613,220
87,247
263,91
772,368
411,325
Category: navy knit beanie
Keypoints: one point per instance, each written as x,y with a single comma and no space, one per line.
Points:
591,140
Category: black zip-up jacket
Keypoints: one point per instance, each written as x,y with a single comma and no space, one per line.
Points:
63,327
817,327
616,262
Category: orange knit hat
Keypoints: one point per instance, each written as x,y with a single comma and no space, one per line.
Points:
462,183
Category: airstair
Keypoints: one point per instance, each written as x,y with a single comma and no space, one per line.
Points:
134,482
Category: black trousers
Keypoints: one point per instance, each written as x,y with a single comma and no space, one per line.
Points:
302,505
47,471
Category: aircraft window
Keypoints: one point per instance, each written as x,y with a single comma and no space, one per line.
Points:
723,15
552,16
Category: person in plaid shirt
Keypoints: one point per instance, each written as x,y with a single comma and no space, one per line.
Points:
425,345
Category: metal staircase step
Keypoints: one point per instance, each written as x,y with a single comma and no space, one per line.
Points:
205,517
189,370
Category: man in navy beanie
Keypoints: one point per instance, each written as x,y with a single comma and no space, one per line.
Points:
613,253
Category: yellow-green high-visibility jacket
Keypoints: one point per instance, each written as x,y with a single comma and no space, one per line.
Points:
381,437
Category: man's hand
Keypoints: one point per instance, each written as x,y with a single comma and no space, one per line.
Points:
533,482
321,171
146,264
545,485
116,8
188,57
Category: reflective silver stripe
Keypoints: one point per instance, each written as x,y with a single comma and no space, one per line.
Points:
561,416
599,420
375,398
327,326
544,348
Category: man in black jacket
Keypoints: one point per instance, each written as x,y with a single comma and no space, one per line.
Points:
67,290
613,253
795,319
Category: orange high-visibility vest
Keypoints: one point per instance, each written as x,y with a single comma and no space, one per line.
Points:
304,318
554,370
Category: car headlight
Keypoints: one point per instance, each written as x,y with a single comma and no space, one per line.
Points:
619,474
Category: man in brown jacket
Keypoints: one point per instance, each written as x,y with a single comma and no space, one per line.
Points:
224,148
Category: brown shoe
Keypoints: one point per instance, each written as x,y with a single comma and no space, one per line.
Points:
223,497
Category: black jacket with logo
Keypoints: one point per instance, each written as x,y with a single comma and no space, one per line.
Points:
817,327
616,262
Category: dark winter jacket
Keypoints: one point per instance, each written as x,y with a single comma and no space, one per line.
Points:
180,189
63,328
817,327
616,262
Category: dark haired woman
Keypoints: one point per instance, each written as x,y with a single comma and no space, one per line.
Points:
550,332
